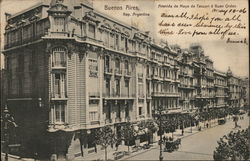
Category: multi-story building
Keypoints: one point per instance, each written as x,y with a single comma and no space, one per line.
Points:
220,89
187,82
71,70
163,78
200,68
235,89
246,92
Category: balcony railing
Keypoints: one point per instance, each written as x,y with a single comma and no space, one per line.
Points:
59,64
90,39
140,75
165,94
127,73
118,119
58,95
108,71
108,121
156,77
94,94
116,95
118,72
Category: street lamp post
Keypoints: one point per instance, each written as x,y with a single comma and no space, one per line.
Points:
146,131
7,119
160,157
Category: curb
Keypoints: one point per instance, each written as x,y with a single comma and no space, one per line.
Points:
155,146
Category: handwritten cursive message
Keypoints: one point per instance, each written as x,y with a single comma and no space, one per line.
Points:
223,21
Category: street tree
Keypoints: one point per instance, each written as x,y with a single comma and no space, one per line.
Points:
234,146
150,125
128,133
105,137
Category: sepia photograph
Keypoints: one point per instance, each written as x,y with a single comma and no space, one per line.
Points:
104,80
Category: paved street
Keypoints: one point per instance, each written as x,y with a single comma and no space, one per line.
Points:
199,146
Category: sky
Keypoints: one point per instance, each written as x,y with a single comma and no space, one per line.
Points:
223,54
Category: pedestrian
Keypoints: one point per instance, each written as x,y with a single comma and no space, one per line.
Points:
207,125
164,139
117,145
182,131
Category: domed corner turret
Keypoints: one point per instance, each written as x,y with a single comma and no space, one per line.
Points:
229,72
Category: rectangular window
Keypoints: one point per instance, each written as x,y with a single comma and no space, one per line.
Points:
59,24
118,113
106,38
111,42
91,33
122,44
117,85
140,111
140,90
117,42
148,108
127,87
59,113
108,87
93,116
93,68
59,59
59,85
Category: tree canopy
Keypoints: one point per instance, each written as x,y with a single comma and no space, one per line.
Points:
234,146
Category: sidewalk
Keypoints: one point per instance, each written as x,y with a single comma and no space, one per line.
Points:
122,148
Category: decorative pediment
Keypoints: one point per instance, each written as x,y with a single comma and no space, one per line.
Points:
106,25
9,26
90,16
59,10
35,15
138,36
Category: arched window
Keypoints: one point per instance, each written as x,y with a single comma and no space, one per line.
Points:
117,63
126,66
107,62
59,57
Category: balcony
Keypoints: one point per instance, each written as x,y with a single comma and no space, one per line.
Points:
140,75
148,77
94,122
58,96
141,117
94,95
89,39
148,95
57,34
59,64
108,71
118,72
165,94
108,121
167,79
140,54
185,86
156,77
118,119
141,96
176,81
118,96
219,95
164,63
127,73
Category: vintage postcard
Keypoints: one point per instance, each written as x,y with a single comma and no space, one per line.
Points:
124,80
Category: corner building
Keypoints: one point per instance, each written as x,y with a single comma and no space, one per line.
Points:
72,70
